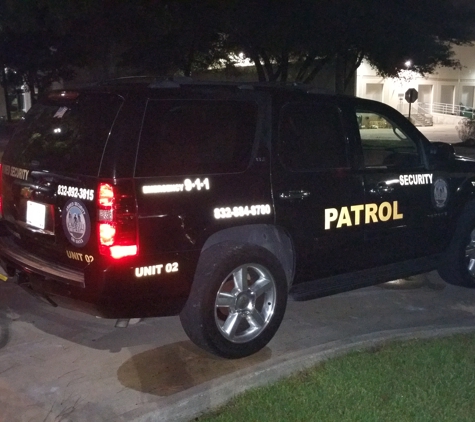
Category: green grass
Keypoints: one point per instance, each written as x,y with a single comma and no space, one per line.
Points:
419,380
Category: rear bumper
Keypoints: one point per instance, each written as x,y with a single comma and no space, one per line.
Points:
105,290
13,256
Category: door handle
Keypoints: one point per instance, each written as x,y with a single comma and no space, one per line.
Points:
294,194
381,188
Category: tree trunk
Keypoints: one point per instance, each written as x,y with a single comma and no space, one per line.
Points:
267,66
316,68
304,67
284,67
340,74
5,92
261,76
346,66
190,57
354,67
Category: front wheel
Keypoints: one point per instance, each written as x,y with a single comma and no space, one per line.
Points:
458,265
237,300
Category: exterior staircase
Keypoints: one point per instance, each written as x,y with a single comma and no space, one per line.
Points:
422,119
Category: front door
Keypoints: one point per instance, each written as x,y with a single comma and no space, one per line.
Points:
399,189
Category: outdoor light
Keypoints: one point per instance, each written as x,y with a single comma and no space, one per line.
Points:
408,63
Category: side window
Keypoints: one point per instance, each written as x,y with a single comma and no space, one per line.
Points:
196,137
311,137
385,144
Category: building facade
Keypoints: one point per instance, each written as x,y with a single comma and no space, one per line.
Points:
446,92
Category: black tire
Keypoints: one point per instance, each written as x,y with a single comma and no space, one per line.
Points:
458,264
230,318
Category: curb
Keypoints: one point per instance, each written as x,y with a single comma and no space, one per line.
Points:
194,402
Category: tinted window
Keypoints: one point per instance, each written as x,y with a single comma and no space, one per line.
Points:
384,143
196,137
311,137
65,138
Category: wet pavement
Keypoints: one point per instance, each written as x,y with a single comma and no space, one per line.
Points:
59,365
442,133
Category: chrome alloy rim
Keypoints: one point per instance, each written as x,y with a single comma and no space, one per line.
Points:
245,303
470,254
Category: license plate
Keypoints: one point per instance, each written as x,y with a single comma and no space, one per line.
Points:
35,214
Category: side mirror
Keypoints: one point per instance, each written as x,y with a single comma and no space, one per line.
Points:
441,154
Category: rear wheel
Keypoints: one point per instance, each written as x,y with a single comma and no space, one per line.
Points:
458,266
237,301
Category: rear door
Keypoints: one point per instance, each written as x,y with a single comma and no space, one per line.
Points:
316,191
199,171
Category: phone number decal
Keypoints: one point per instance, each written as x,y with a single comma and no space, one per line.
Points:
242,211
78,193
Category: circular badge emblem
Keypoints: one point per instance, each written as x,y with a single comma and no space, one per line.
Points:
76,223
440,193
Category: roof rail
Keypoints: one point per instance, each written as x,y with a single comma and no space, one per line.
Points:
128,80
174,82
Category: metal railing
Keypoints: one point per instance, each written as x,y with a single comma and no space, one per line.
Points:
420,115
452,109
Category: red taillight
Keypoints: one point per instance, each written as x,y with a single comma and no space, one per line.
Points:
63,95
117,220
106,195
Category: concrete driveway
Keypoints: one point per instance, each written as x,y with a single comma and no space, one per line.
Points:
58,365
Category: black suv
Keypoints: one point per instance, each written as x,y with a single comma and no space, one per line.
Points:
217,201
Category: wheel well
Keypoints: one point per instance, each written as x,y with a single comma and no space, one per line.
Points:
462,206
270,237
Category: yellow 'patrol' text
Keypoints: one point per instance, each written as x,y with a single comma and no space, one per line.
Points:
355,215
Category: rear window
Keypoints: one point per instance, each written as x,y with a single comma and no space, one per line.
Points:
196,137
65,137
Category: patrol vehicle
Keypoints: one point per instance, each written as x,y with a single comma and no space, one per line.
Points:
217,202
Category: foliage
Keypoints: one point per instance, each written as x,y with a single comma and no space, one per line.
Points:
466,131
37,45
178,36
344,32
288,40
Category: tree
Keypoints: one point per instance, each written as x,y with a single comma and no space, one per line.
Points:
174,36
288,40
36,41
310,34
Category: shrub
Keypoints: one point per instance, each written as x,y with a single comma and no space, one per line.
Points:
466,130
